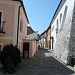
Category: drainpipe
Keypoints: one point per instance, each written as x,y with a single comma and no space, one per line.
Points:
18,24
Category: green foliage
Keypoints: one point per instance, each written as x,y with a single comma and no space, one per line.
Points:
10,57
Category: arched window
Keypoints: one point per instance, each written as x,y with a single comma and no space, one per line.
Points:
52,29
60,17
64,16
57,26
57,23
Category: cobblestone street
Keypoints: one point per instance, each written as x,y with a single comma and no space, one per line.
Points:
43,63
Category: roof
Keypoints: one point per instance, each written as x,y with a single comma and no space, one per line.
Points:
57,10
43,33
23,8
48,28
30,30
53,17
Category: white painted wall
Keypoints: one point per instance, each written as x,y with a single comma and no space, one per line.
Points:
32,36
61,42
69,3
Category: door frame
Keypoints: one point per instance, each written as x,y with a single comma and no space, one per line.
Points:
26,50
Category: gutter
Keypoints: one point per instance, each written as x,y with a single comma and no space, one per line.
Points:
21,1
22,5
24,11
18,24
57,10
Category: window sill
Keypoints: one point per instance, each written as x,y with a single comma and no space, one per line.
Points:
2,33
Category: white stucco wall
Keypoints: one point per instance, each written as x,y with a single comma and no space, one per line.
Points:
32,36
61,42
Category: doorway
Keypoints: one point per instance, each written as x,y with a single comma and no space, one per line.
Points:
26,50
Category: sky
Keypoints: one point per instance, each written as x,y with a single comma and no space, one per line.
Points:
40,13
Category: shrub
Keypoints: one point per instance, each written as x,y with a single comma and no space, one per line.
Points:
10,58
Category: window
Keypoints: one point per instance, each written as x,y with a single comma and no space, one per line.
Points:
52,28
57,23
57,26
21,26
60,17
63,17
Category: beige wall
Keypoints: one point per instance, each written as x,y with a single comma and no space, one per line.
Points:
32,47
22,17
48,37
23,34
5,42
8,15
20,46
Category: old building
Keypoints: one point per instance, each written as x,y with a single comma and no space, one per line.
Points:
63,31
42,41
30,30
13,23
13,27
48,35
30,43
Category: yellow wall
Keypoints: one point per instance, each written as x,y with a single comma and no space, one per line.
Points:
48,38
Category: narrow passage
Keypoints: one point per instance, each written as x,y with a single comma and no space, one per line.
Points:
43,63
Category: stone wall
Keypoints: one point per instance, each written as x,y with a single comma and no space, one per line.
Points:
63,46
71,47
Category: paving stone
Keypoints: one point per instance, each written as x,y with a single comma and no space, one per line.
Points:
42,65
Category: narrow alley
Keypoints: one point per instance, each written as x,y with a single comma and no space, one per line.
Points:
43,63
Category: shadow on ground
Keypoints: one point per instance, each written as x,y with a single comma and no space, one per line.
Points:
43,63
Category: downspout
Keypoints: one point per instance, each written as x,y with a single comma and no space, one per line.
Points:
18,24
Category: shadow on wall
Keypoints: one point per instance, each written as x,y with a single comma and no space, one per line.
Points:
43,63
71,54
56,66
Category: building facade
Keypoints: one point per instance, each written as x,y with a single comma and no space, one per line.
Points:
13,23
13,27
62,31
42,40
48,35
